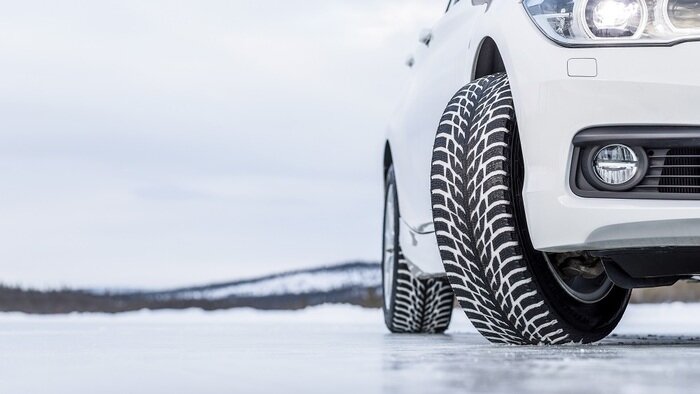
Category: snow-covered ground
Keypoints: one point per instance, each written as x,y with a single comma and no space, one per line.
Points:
333,349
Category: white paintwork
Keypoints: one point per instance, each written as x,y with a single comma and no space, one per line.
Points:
582,68
634,85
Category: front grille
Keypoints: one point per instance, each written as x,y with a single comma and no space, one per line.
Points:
674,170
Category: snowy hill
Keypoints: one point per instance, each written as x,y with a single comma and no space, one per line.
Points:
318,280
356,283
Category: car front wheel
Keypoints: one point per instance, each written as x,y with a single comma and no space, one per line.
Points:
511,292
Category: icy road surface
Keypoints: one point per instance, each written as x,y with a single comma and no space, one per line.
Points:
333,350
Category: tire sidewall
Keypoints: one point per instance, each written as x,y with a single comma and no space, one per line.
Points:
389,312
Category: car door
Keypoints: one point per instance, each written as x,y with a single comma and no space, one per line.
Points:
440,69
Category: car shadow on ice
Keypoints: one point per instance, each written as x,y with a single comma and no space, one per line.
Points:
451,340
411,352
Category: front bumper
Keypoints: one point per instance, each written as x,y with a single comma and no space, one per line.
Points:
633,86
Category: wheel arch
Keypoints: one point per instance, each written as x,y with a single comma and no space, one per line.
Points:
488,59
388,158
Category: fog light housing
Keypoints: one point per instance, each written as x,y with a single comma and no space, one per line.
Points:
616,165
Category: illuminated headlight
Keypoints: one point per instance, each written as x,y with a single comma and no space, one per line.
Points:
614,18
683,15
616,165
606,22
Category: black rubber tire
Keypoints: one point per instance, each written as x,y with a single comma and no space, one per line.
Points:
504,286
417,304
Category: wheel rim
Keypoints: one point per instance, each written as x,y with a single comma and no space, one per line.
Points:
389,246
586,290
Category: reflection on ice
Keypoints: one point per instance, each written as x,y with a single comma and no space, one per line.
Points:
334,349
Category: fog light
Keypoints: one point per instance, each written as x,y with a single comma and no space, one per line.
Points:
616,164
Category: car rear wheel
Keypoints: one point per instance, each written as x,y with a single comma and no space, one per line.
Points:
511,292
412,301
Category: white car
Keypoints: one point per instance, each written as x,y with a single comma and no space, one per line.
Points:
565,170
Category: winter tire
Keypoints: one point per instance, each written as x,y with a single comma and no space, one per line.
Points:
508,290
413,303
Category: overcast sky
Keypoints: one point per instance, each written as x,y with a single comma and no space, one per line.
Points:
159,143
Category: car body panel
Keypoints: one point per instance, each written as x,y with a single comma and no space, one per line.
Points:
439,71
633,86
